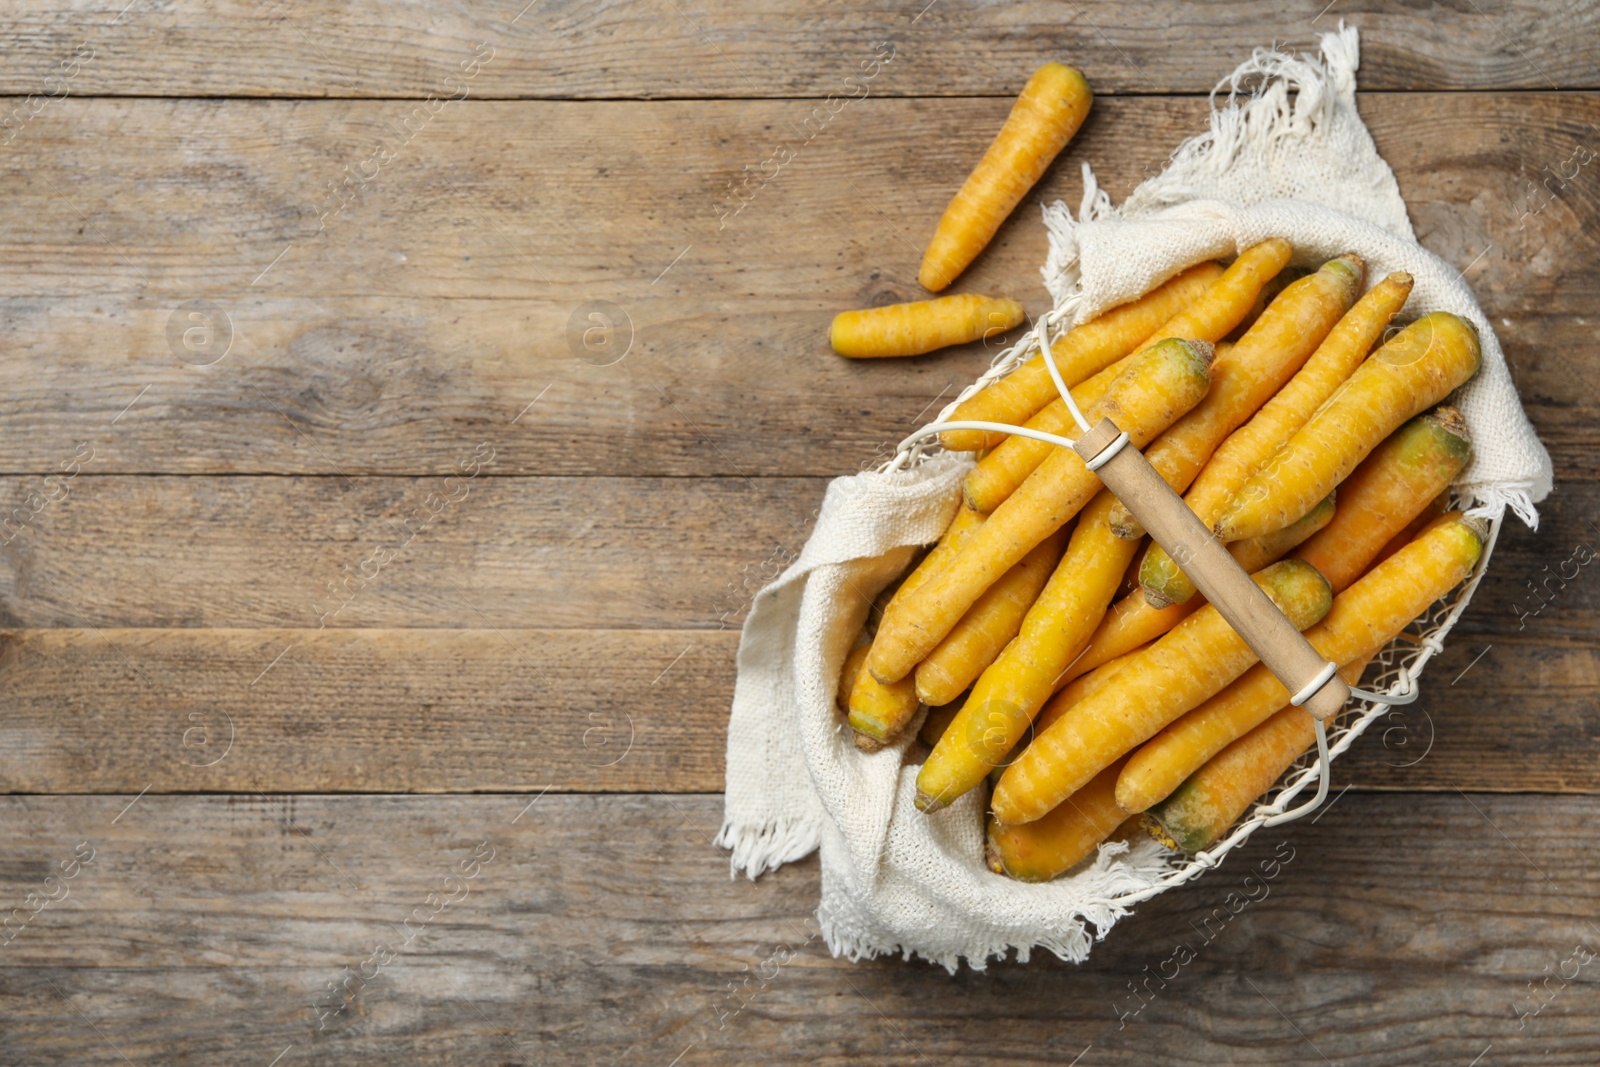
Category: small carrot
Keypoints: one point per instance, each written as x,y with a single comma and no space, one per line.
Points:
1266,357
1340,353
1040,850
1381,496
1363,619
1405,377
987,627
1158,386
1209,318
922,325
878,712
1184,667
1013,688
853,662
1049,111
1163,583
1080,353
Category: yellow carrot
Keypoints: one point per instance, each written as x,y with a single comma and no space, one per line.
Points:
922,325
1405,377
1013,688
1158,386
987,627
1340,353
1222,307
853,663
1425,518
1040,850
997,475
1128,624
1184,667
1163,762
1163,583
1212,799
878,712
1080,353
1052,106
1133,621
1069,695
1390,487
1363,619
1266,357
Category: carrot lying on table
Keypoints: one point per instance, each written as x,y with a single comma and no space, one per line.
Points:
922,325
1049,111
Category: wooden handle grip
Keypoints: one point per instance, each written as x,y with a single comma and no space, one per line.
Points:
1214,571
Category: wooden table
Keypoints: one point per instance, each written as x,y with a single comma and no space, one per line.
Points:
370,628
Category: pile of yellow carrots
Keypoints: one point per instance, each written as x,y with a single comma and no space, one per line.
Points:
1067,661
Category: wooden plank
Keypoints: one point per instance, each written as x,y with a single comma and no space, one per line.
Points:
111,710
364,710
1395,930
777,48
428,314
673,553
303,553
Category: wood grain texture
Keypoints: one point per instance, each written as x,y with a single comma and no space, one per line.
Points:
467,710
428,314
634,48
1396,930
472,710
304,553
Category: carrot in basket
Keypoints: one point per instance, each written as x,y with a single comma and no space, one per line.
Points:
1363,619
1070,694
1254,443
1405,377
1266,357
853,663
1213,798
1209,318
1398,480
1193,662
988,626
1436,507
1159,385
997,475
1049,111
1133,621
1162,764
1013,688
1080,353
922,325
879,712
1040,850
